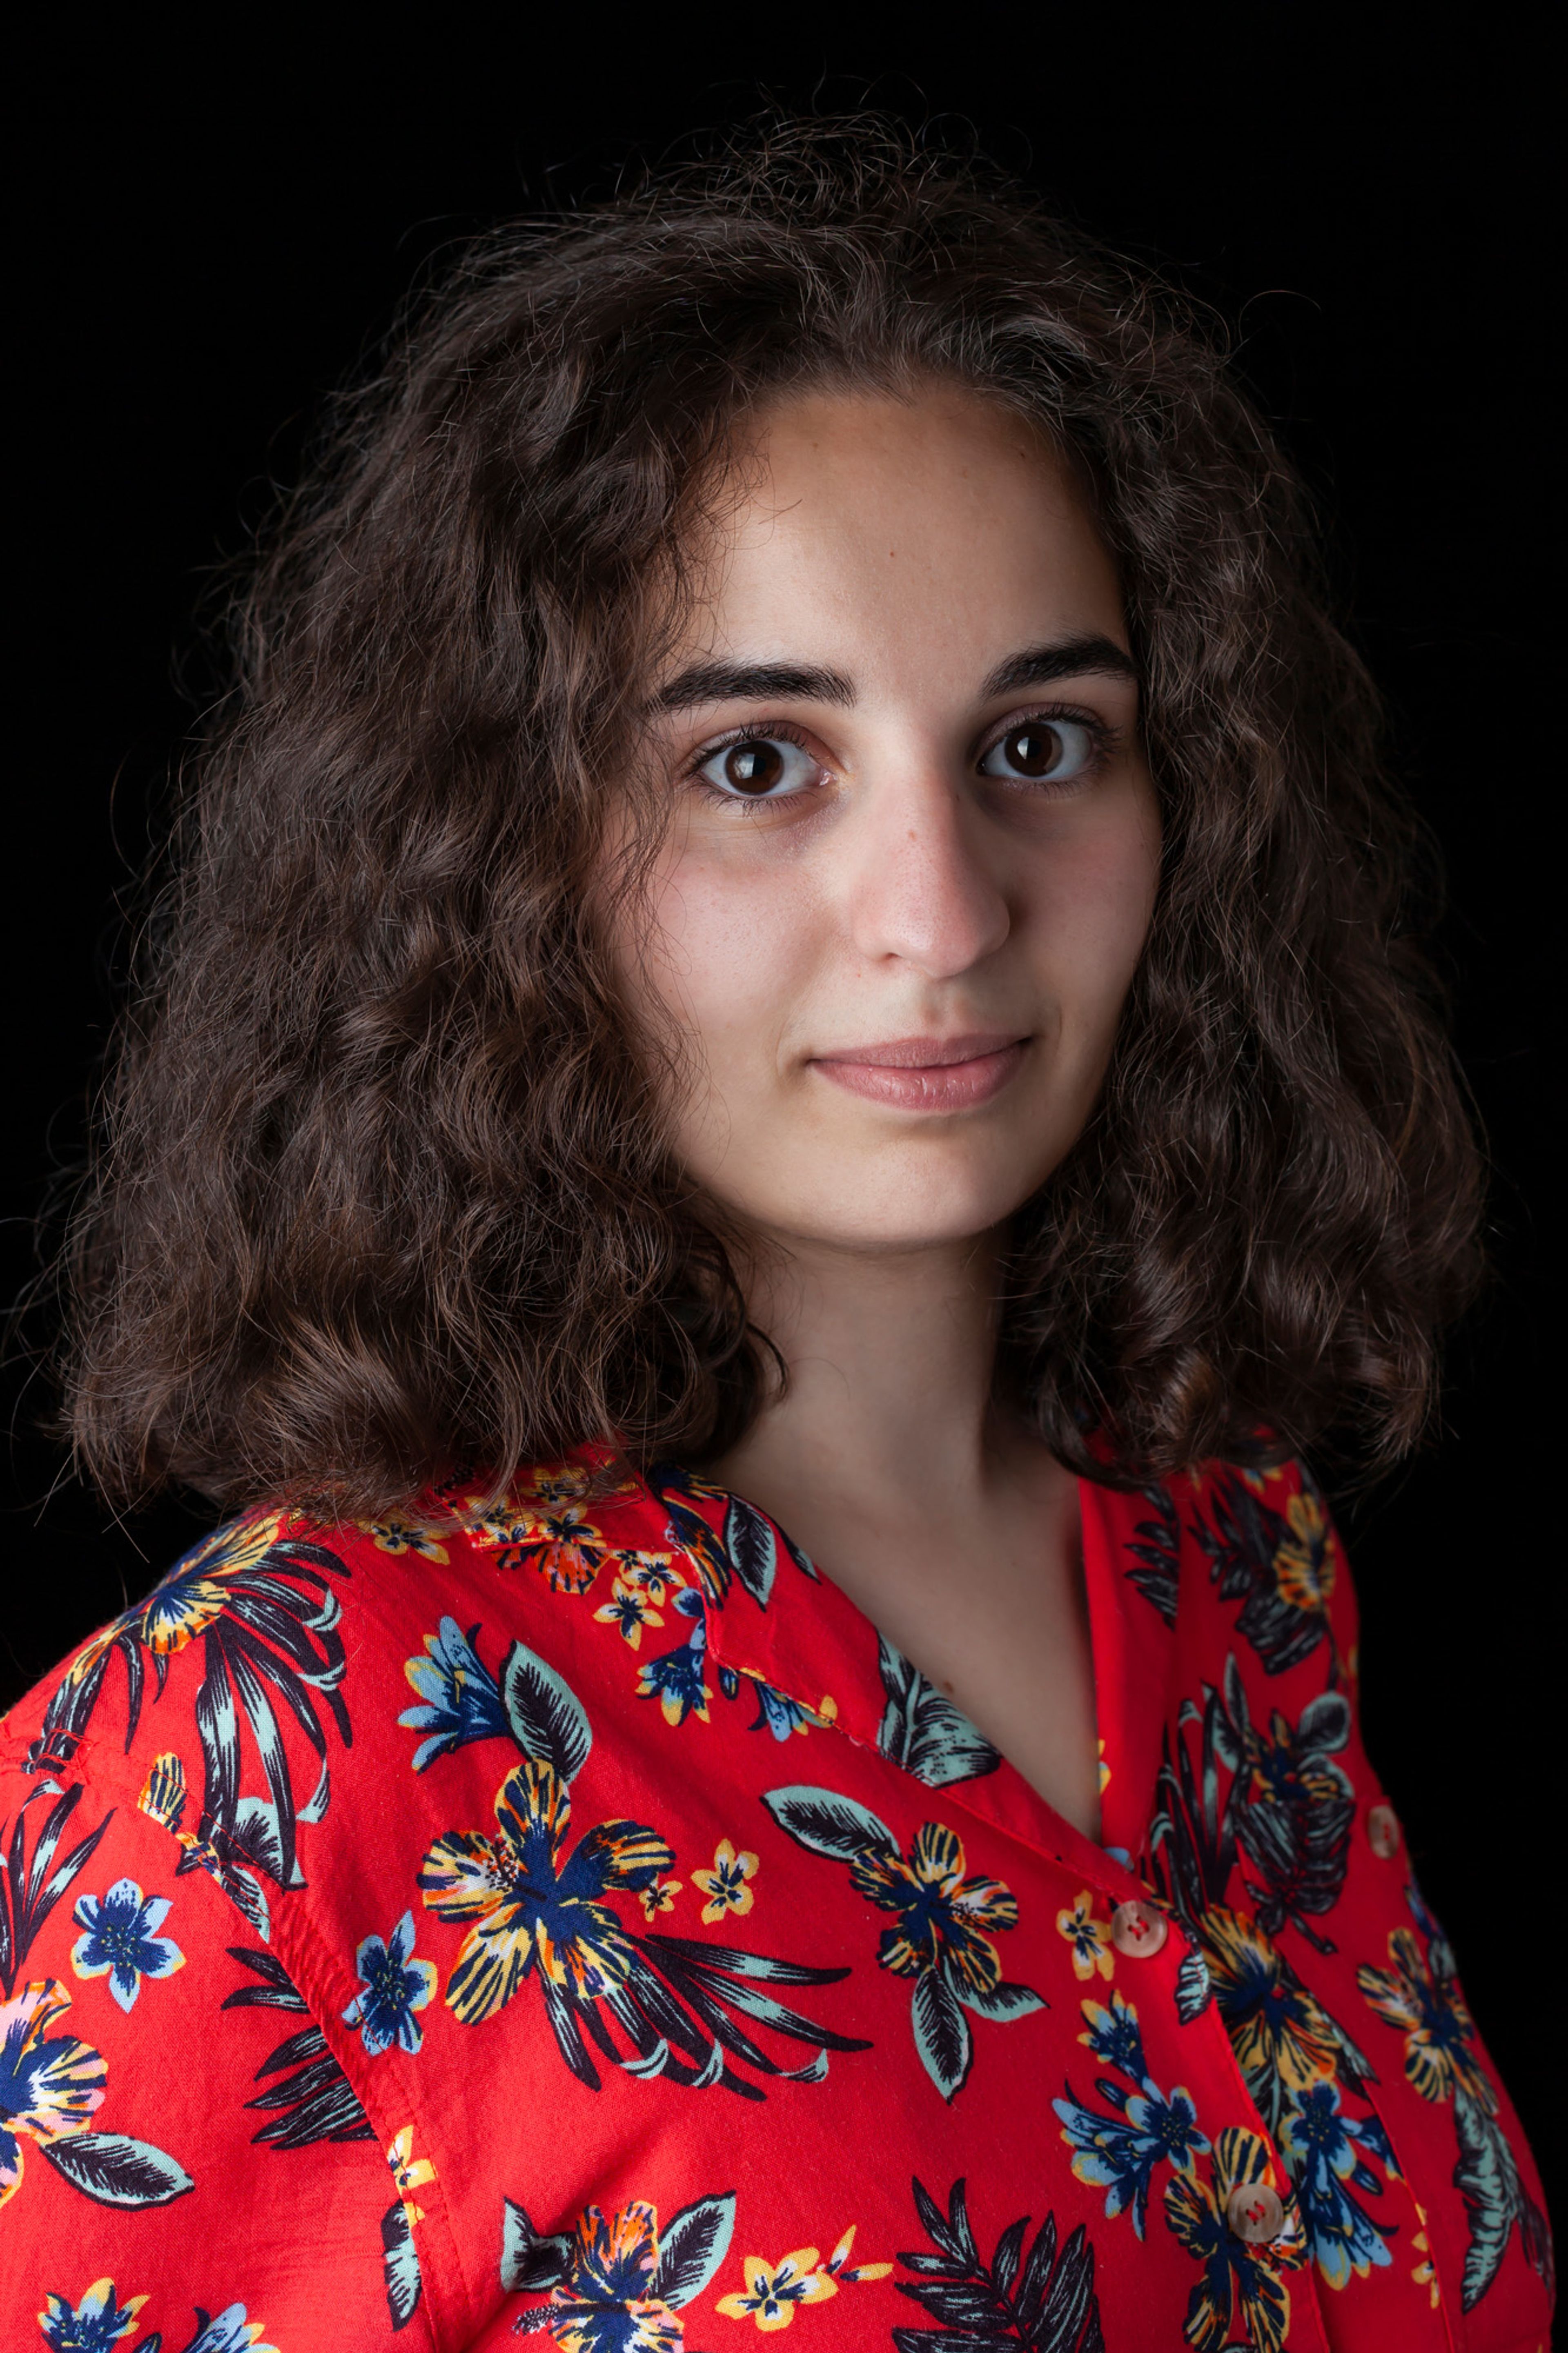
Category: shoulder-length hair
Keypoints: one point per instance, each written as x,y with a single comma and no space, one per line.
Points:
385,1186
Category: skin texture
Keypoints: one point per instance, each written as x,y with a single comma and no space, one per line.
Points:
904,879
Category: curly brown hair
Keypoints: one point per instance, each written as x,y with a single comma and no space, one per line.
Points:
385,1185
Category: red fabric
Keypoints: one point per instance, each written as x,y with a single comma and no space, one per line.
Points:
697,1969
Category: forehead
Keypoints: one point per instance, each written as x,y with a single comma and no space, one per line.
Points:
860,520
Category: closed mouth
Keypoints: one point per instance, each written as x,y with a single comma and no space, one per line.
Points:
928,1074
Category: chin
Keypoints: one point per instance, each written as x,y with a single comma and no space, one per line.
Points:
900,1209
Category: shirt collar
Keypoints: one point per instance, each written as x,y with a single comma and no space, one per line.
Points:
773,1615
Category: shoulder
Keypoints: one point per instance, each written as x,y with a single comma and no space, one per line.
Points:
227,1786
261,1669
273,1703
1244,1551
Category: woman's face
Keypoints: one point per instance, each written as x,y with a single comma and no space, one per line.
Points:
912,845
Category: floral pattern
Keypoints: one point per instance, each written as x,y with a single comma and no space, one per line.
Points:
1285,1816
1243,2295
311,2099
774,2292
942,1916
258,1597
458,1700
120,1940
431,1887
544,1524
1280,1565
95,2325
1042,2299
534,1904
616,2283
394,1985
527,1897
1089,1937
1419,1996
1118,2148
51,2087
726,1885
99,2321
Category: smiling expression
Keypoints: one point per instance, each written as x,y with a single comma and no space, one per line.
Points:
911,847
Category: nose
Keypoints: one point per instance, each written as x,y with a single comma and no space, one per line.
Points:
919,887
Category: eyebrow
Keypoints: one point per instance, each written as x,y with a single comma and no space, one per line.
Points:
720,681
1043,665
1064,658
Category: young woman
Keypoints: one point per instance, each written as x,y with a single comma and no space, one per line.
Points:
793,928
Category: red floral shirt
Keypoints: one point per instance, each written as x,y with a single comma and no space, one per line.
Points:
582,1927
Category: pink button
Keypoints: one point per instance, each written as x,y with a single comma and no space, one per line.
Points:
1254,2213
1382,1831
1138,1929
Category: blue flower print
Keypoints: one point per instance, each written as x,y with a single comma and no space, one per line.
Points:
1115,2036
120,1940
1117,2152
1323,2152
98,2324
780,1716
392,1986
460,1701
229,2332
675,1677
101,2322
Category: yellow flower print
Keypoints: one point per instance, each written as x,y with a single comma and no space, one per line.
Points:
1104,1768
1258,1481
409,2172
840,2268
1426,2272
628,1608
399,1536
773,2292
1090,1938
195,1592
531,1898
1426,2006
1304,1562
652,1574
540,1524
727,1891
1276,2026
660,1897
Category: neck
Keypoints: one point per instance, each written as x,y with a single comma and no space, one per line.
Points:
887,1409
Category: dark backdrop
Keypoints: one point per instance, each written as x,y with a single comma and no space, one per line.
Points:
209,241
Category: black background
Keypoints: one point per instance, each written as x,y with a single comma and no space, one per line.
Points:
209,239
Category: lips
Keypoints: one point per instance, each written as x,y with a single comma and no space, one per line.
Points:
931,1074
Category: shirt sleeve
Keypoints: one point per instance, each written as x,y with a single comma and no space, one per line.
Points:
181,2154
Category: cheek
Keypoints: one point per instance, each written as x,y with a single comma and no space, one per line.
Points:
1090,917
729,950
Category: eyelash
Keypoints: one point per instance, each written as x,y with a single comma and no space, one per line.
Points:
780,731
1105,740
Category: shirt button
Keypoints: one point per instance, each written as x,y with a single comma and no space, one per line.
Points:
1382,1831
1138,1929
1254,2213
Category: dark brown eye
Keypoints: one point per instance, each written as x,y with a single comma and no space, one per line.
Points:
1033,750
1041,751
753,767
